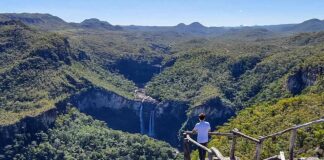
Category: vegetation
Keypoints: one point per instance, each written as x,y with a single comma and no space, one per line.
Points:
271,77
243,78
39,69
77,136
264,119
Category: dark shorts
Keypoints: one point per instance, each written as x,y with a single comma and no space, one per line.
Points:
202,152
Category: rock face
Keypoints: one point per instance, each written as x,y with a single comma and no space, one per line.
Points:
159,120
160,48
28,127
244,64
217,112
303,78
140,72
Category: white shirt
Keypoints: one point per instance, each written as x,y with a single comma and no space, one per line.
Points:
202,128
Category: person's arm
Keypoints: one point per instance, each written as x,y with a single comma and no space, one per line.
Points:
194,130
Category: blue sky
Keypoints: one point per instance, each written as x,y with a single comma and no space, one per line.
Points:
172,12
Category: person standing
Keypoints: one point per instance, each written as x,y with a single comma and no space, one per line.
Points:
202,128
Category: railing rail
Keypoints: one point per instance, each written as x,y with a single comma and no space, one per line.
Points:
212,133
217,153
198,144
236,133
281,156
211,152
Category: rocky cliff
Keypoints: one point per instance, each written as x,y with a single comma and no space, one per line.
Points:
217,112
160,120
303,78
27,127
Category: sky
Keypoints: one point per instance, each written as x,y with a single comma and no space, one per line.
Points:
172,12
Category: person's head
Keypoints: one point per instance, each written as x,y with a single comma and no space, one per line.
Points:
202,116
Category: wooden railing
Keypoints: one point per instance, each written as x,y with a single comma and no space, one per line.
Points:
214,152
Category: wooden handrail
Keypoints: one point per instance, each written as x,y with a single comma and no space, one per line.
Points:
217,153
212,133
197,144
235,132
309,123
281,156
272,158
289,129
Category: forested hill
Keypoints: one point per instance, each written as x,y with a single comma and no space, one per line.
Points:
77,136
265,119
39,69
243,73
260,73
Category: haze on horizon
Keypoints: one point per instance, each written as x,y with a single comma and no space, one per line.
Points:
172,12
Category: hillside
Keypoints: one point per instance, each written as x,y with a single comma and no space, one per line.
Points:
39,69
42,21
265,119
153,81
241,77
77,136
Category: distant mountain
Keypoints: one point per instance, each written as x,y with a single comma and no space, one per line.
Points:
195,28
196,25
95,23
50,22
181,25
43,21
312,25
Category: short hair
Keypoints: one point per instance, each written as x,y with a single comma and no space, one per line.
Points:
202,116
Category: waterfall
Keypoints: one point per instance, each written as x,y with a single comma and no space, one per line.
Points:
141,119
151,124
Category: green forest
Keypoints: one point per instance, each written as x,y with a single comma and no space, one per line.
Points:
77,136
265,78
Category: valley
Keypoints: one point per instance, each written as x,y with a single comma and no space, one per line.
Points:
150,83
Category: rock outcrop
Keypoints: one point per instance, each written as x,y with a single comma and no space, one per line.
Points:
28,127
217,112
160,120
303,78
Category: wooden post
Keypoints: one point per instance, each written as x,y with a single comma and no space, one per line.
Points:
258,149
232,150
282,156
186,147
292,144
210,155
